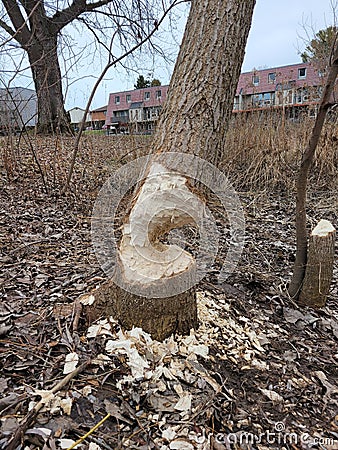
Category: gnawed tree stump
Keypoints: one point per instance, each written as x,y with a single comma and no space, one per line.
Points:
159,317
152,284
319,268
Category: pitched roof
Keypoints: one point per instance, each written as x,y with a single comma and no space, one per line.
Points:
101,109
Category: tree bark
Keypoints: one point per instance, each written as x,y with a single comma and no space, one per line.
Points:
319,268
37,34
194,120
160,317
152,280
198,108
46,73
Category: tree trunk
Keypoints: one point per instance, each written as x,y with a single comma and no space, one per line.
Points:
160,319
37,33
155,280
319,269
202,89
46,73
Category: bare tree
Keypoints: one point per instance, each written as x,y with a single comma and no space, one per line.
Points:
202,90
38,28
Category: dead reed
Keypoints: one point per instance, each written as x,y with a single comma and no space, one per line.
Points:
263,152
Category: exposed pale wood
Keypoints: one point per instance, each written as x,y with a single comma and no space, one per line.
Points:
152,278
318,275
194,120
163,202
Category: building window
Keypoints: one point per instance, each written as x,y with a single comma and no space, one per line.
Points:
257,100
255,80
268,98
302,95
147,95
271,77
159,94
302,72
306,95
117,99
128,98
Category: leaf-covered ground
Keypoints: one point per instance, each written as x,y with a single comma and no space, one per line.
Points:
259,373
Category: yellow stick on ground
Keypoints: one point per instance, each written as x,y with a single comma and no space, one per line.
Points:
95,427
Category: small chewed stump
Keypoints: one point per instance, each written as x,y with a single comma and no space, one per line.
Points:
319,268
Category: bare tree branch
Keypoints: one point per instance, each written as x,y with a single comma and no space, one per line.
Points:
99,80
23,33
8,29
39,35
78,7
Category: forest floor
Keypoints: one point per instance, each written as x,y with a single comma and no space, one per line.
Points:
259,372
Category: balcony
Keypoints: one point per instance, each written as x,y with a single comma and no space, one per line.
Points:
119,118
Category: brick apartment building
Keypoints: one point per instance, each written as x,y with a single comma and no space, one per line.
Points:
293,88
136,110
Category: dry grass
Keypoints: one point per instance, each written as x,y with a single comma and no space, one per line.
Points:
47,159
261,154
264,153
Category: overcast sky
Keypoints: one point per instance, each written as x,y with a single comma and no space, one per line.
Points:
280,29
278,34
